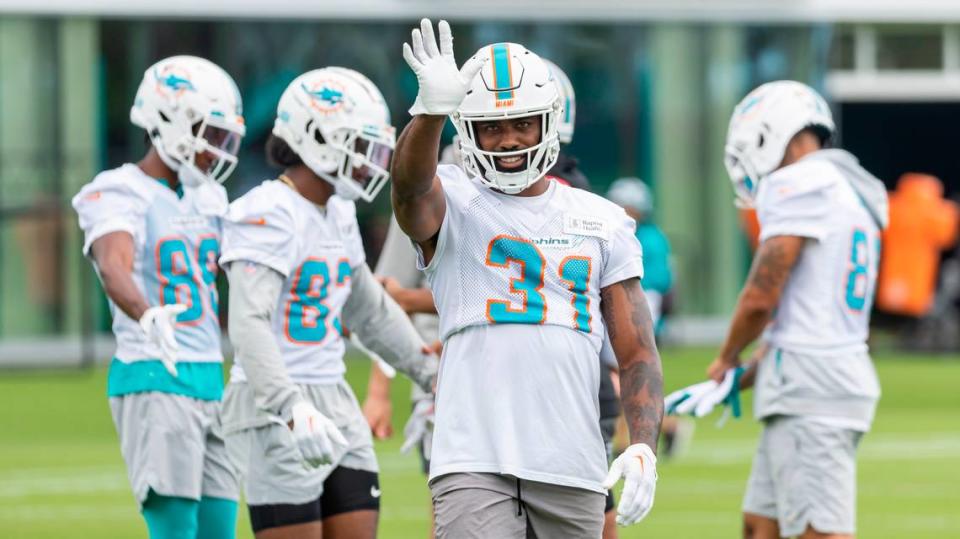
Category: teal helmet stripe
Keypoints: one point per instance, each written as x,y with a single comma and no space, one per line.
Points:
502,76
566,111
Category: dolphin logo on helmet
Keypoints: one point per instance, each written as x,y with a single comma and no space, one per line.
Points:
326,96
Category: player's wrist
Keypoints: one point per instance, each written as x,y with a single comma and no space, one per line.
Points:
378,394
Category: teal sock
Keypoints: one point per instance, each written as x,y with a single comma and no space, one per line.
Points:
170,518
218,518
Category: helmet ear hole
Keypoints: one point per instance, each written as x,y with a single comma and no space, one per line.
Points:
760,142
316,134
163,116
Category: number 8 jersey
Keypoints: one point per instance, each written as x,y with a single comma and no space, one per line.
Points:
825,305
176,246
517,281
315,250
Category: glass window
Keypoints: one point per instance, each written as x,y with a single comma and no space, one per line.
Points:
842,49
910,47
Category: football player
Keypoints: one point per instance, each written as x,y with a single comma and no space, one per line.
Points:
298,279
526,274
635,198
152,230
809,294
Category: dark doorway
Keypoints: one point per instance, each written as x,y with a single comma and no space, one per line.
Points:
893,138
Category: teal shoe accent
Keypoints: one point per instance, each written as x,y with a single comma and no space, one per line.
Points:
199,380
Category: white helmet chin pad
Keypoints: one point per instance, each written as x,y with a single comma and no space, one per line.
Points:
510,182
338,123
513,83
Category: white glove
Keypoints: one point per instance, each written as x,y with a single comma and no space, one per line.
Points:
700,399
318,438
442,85
419,427
638,466
159,323
684,400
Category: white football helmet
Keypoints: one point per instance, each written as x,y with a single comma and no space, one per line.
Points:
189,106
513,83
631,193
762,125
569,101
338,123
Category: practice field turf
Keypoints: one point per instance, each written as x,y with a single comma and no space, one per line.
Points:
61,474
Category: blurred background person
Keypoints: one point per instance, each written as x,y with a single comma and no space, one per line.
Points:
635,198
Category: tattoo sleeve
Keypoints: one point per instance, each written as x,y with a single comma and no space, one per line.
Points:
770,269
769,274
630,327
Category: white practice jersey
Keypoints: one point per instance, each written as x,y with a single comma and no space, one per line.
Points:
315,249
176,246
825,305
517,283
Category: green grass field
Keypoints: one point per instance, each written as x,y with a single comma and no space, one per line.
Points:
61,474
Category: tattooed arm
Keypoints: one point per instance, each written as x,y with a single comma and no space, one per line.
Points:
757,302
627,317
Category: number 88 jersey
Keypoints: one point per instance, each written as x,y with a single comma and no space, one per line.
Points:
542,260
315,250
176,246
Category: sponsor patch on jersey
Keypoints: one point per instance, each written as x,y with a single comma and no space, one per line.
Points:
586,225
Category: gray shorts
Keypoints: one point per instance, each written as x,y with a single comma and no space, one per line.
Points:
486,505
172,445
805,474
270,465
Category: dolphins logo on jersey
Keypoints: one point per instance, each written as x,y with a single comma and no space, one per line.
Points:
172,79
326,96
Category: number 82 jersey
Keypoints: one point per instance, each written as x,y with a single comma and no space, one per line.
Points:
315,250
541,260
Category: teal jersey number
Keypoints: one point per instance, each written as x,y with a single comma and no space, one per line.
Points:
575,271
178,279
343,271
207,254
306,312
500,253
857,286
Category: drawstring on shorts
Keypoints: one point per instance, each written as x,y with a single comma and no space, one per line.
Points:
519,500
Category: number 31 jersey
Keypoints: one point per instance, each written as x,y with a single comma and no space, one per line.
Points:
517,281
542,260
315,249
